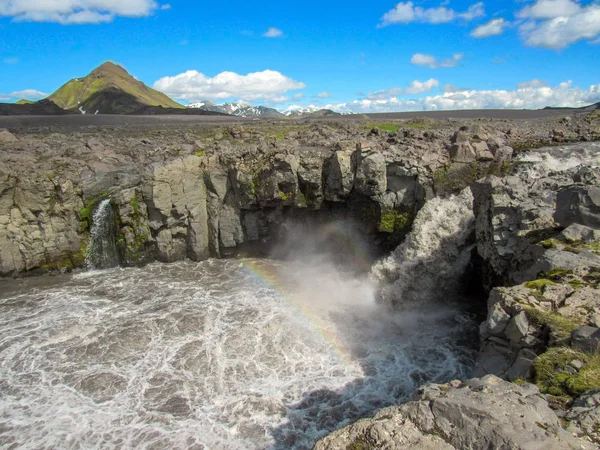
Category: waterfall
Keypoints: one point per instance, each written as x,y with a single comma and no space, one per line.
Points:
102,251
431,262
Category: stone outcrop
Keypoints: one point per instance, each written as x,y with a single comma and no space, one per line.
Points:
518,216
478,414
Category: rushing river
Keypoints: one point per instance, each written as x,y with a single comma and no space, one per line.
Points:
223,354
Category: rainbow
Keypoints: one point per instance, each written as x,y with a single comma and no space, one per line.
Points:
266,274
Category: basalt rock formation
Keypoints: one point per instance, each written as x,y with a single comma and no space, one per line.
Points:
191,193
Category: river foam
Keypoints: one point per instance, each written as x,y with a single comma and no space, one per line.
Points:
210,355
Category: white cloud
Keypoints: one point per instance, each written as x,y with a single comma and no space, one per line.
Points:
559,23
273,33
549,9
75,11
323,95
492,28
530,95
12,60
419,59
194,86
416,87
165,7
28,94
406,12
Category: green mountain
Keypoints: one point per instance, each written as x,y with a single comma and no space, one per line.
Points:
24,102
109,89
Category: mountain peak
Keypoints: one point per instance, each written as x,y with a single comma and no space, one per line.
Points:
110,68
109,89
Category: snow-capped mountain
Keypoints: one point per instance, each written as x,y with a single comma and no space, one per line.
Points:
237,109
310,112
242,109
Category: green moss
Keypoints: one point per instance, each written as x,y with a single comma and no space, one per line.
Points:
552,377
539,284
557,274
199,154
520,381
549,243
394,221
285,196
360,443
86,215
561,326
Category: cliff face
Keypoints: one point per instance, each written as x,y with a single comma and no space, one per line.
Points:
182,195
205,191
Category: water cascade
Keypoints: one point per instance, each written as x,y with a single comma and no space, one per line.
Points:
428,266
102,251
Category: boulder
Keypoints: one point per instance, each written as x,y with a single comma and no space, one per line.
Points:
578,204
6,136
479,414
586,339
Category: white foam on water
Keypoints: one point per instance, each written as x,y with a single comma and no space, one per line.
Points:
541,162
207,355
428,265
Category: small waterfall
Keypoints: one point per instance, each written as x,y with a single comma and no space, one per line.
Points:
102,251
430,263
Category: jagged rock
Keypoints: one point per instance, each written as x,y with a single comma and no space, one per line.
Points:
576,232
463,153
480,414
585,413
371,177
586,339
578,204
340,175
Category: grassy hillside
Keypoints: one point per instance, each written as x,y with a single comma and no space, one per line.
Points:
109,89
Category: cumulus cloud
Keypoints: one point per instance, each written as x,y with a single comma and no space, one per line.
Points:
416,87
530,95
69,12
419,59
407,12
492,28
28,94
559,23
549,9
273,33
323,95
194,86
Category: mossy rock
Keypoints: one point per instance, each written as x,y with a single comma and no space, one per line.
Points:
561,326
538,285
555,376
360,443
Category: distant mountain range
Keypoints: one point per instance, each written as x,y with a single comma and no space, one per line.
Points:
244,110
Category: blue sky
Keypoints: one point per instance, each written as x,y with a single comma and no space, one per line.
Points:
350,56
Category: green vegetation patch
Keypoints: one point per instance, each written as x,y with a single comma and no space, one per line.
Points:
360,443
85,216
394,221
561,326
553,374
539,284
